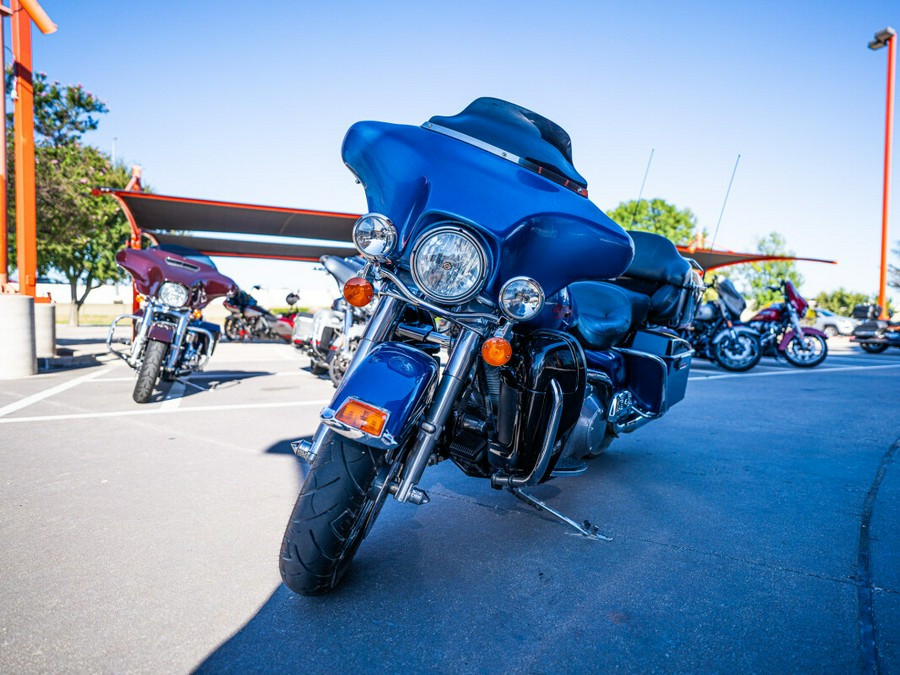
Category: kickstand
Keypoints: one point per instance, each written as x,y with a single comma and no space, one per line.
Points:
191,384
585,529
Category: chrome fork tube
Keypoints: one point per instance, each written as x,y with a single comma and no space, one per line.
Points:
141,337
177,345
452,382
377,330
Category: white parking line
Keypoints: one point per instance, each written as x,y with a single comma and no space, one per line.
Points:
47,393
162,411
796,371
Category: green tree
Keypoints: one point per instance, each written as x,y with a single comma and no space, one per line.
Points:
657,215
755,278
841,301
78,234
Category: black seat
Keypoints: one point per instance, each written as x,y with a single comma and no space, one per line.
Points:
517,130
660,272
605,314
342,269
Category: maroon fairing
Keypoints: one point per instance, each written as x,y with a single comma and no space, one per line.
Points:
150,268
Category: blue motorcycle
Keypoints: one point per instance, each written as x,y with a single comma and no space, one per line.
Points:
559,330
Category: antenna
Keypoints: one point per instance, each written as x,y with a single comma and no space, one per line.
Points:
641,193
727,192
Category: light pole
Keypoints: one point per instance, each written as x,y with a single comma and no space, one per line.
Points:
886,37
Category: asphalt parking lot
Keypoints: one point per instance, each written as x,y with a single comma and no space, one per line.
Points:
755,528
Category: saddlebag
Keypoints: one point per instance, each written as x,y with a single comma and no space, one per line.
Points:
661,273
866,311
658,364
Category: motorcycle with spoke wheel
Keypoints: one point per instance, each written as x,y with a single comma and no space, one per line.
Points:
171,338
563,328
248,319
874,334
783,335
717,333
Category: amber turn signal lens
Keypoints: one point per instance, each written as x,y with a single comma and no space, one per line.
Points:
358,292
362,416
496,351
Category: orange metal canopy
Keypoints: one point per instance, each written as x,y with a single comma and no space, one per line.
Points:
171,220
710,259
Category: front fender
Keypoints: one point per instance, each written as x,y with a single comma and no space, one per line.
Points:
807,330
739,330
395,378
161,333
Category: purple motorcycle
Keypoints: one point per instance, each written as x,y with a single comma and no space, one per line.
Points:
171,338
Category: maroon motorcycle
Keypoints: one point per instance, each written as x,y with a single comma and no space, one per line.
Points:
171,338
782,334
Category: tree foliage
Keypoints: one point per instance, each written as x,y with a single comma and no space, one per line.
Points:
658,216
755,278
842,302
78,234
62,113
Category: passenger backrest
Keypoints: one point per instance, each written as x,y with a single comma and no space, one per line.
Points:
659,271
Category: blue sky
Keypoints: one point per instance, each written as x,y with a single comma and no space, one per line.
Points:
249,102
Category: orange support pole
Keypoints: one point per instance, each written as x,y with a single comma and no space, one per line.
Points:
134,185
23,115
885,202
4,208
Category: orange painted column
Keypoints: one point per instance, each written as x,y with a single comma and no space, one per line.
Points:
23,115
4,208
885,203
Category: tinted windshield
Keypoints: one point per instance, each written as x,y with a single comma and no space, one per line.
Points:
188,253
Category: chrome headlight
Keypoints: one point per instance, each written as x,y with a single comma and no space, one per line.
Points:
521,298
375,236
449,264
174,295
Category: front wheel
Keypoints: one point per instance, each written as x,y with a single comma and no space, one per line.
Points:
151,366
873,347
806,351
737,353
232,328
337,504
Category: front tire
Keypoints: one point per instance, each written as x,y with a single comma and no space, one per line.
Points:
151,366
873,347
336,506
737,354
806,351
232,328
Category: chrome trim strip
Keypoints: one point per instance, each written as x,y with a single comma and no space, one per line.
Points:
493,149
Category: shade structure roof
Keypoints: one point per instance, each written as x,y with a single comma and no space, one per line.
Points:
174,220
710,259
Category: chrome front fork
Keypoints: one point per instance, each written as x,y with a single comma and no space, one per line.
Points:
453,381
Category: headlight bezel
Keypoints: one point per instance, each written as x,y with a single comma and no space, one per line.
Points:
387,231
534,286
480,251
181,299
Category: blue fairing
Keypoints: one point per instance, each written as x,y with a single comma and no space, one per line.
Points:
532,226
394,377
